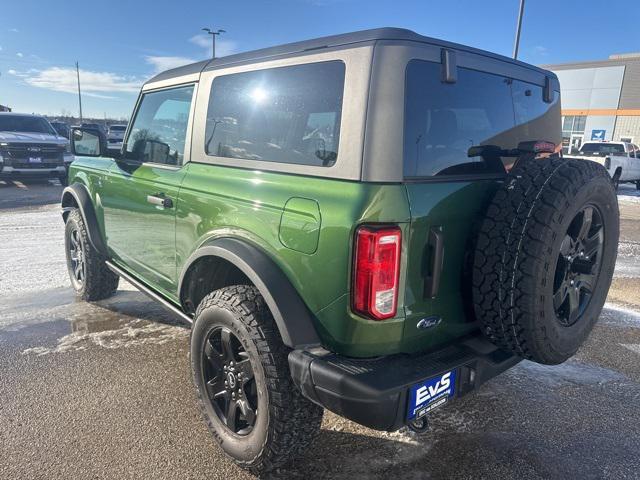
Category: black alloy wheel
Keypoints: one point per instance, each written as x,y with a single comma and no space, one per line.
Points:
578,265
229,380
77,265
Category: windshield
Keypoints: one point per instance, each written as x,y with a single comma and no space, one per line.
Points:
19,123
602,148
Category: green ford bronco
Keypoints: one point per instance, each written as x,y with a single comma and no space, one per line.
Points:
374,223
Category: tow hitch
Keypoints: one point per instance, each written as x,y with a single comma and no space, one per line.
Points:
419,425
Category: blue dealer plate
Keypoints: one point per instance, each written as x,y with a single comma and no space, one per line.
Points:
431,394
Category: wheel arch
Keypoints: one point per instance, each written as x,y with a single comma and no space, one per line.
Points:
293,319
77,196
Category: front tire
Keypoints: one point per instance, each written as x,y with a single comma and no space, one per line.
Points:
244,386
90,277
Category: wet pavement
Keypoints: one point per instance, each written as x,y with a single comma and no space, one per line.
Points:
104,391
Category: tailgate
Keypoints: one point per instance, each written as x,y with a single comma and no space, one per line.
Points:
451,210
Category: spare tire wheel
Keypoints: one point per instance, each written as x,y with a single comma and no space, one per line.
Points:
545,256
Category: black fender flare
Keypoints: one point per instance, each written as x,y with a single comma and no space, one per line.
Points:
82,200
293,318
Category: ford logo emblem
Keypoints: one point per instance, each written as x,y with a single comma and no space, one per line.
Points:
429,322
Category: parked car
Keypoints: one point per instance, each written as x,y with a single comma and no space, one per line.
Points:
115,135
61,128
95,126
374,223
621,159
30,147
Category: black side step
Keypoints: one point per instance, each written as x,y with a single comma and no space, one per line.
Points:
149,292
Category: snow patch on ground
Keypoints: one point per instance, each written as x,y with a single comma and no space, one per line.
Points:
615,314
628,199
134,333
634,347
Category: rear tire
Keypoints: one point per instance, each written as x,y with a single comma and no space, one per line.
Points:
246,394
545,257
90,277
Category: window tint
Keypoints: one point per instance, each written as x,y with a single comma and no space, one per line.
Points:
25,123
159,130
288,114
443,120
602,148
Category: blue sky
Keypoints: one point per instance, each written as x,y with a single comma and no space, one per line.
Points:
121,43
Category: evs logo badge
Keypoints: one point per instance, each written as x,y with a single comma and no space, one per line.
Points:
431,394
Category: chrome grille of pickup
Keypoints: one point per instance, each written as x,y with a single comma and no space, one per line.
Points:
20,151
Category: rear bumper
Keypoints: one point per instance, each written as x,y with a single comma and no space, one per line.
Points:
374,392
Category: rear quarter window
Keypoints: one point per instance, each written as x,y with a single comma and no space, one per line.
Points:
286,114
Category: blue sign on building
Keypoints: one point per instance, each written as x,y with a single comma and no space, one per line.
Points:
598,134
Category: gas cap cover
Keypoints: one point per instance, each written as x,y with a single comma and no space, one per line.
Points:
300,225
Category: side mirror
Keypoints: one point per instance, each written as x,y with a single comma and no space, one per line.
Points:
88,142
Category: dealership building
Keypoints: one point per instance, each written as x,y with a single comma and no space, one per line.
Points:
600,99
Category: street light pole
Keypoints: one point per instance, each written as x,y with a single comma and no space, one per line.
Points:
79,95
516,44
213,34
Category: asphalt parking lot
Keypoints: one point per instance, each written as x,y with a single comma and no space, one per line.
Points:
104,391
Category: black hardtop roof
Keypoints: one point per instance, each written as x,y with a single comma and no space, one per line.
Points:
387,33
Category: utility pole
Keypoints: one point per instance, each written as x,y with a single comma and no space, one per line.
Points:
516,44
79,95
213,34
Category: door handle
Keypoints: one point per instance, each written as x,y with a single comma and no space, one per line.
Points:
160,200
435,243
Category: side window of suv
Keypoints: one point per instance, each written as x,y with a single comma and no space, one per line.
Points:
159,129
286,114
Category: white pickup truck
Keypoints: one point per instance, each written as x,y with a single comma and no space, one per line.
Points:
621,159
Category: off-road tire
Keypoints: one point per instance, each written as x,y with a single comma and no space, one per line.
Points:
291,421
517,254
99,282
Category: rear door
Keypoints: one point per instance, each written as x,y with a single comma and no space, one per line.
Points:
141,192
448,191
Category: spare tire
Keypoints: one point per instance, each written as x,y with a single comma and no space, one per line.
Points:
545,256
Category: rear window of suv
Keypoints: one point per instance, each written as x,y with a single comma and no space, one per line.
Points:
602,148
286,114
442,120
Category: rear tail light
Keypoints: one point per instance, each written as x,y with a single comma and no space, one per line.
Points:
376,272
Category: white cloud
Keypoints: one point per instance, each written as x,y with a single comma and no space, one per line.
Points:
14,30
0,48
540,50
92,83
12,72
160,64
223,47
19,55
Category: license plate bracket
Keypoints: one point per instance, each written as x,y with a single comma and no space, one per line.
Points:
431,394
